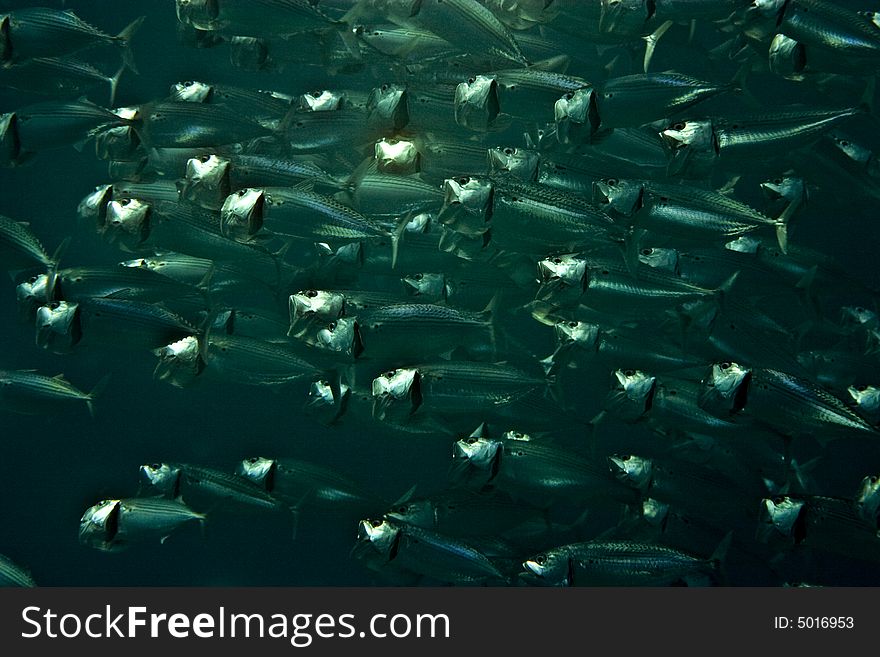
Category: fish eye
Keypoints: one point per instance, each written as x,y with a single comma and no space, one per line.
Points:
402,509
241,192
418,277
331,326
124,201
556,261
389,373
844,143
647,251
55,305
376,523
470,441
188,83
873,479
155,466
312,294
464,180
725,365
678,126
629,372
568,96
572,324
612,182
252,460
384,87
471,80
861,388
508,151
32,279
540,560
359,29
777,181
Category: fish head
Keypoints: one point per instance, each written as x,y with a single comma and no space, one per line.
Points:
551,568
201,14
858,153
388,107
467,205
397,156
582,334
621,197
322,100
99,525
259,470
317,303
767,9
248,53
206,181
426,286
867,500
866,400
420,513
161,478
787,187
341,336
127,221
744,244
242,213
781,517
34,292
10,146
512,434
326,402
180,362
631,470
94,206
725,389
118,143
858,317
631,395
58,326
576,115
872,17
788,57
480,452
396,389
664,259
655,513
191,91
687,139
382,535
476,102
519,162
565,271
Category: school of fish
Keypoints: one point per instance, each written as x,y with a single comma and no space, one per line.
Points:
593,246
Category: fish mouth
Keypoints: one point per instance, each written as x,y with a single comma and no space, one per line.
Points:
534,568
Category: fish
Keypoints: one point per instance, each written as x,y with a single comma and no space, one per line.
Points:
13,575
112,525
624,563
39,32
31,393
20,248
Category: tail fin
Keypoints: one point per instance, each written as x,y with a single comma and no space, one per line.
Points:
95,392
124,38
652,40
114,83
719,557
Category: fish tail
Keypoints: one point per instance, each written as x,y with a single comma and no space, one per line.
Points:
651,41
100,386
124,38
717,561
114,82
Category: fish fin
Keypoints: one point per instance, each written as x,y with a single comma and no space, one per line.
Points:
651,41
782,229
555,64
729,188
406,497
718,558
124,38
397,235
95,392
631,250
114,83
